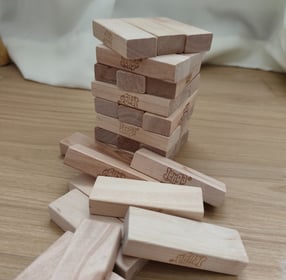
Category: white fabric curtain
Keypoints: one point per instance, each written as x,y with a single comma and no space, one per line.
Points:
52,42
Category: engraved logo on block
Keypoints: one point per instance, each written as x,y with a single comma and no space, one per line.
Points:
111,172
130,64
128,130
129,100
189,260
107,38
177,178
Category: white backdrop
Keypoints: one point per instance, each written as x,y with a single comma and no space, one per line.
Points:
51,41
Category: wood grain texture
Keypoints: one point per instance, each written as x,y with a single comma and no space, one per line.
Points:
82,182
183,242
172,67
105,73
126,39
106,107
237,135
86,256
44,266
130,115
113,196
130,81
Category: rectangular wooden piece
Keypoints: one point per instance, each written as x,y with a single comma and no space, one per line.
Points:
113,196
183,242
105,73
130,115
106,107
130,81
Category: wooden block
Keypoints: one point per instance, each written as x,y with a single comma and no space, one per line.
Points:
127,266
171,67
105,73
82,182
130,115
4,56
69,210
105,136
113,196
95,163
106,107
169,40
79,138
167,89
169,171
161,142
124,38
183,242
197,40
130,81
115,276
75,138
44,266
125,143
166,126
86,257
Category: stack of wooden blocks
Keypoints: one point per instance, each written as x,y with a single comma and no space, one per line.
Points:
146,82
153,210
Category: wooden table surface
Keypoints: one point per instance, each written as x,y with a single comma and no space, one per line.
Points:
238,135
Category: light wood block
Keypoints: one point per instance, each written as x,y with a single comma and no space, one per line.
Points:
127,266
169,171
79,138
4,56
69,210
169,40
172,67
197,39
106,107
130,81
82,182
130,115
124,38
167,89
95,163
113,196
115,276
166,126
105,73
105,136
44,265
136,133
86,256
183,242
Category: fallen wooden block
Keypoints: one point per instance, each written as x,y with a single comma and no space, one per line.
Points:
115,276
113,196
79,138
105,136
44,266
171,67
136,133
197,39
183,242
166,126
169,171
130,115
126,39
169,40
82,182
69,210
130,81
167,89
106,107
86,256
105,73
95,163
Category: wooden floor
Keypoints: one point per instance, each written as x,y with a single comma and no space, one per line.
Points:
238,135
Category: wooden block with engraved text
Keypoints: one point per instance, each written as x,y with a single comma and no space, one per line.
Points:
170,171
124,38
113,196
183,242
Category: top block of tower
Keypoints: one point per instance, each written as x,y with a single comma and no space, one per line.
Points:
136,38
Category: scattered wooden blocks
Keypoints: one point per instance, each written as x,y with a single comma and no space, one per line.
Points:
183,242
86,256
44,266
113,196
169,171
83,182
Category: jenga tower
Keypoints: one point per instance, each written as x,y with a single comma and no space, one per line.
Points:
146,82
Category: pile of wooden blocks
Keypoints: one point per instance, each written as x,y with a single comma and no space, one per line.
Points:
127,208
146,82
